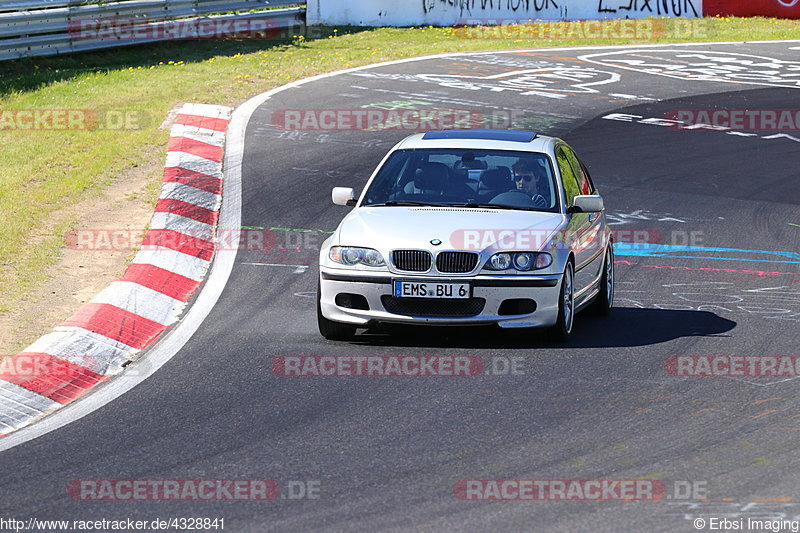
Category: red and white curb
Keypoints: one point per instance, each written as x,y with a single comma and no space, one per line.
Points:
130,314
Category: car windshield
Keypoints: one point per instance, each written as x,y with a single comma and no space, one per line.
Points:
465,178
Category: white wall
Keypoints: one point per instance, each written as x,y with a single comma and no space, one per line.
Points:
449,12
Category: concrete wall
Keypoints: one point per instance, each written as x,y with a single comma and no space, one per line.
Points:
449,12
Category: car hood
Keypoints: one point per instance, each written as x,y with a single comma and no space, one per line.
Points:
385,227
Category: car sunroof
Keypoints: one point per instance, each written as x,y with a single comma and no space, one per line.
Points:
484,134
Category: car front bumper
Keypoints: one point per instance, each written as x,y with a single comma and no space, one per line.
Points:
493,289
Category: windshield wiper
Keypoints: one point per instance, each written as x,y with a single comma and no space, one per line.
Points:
392,203
491,206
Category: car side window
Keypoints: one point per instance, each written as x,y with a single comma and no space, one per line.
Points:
571,188
588,178
584,182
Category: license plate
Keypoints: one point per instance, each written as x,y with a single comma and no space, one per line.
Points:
431,289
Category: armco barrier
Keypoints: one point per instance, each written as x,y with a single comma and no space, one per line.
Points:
40,28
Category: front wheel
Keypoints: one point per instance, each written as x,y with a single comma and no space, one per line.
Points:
333,331
604,300
566,306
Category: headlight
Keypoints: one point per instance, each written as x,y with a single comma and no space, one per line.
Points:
521,261
352,256
500,261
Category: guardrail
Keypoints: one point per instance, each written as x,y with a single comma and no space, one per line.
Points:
49,27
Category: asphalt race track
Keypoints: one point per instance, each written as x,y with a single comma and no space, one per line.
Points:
387,452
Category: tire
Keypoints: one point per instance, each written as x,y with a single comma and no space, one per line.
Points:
561,331
333,331
604,301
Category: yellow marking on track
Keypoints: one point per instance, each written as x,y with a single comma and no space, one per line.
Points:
766,400
667,397
770,411
652,475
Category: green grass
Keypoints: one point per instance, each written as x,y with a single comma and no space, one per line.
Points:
42,171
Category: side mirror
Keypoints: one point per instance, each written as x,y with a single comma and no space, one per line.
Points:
343,196
588,203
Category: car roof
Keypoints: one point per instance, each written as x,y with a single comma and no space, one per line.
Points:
479,139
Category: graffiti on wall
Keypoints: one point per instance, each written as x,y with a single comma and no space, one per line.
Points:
450,12
570,9
467,7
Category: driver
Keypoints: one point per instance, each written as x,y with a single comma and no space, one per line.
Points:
531,179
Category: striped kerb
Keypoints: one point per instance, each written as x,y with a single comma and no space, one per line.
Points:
185,209
161,280
209,123
50,376
95,343
194,147
193,179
